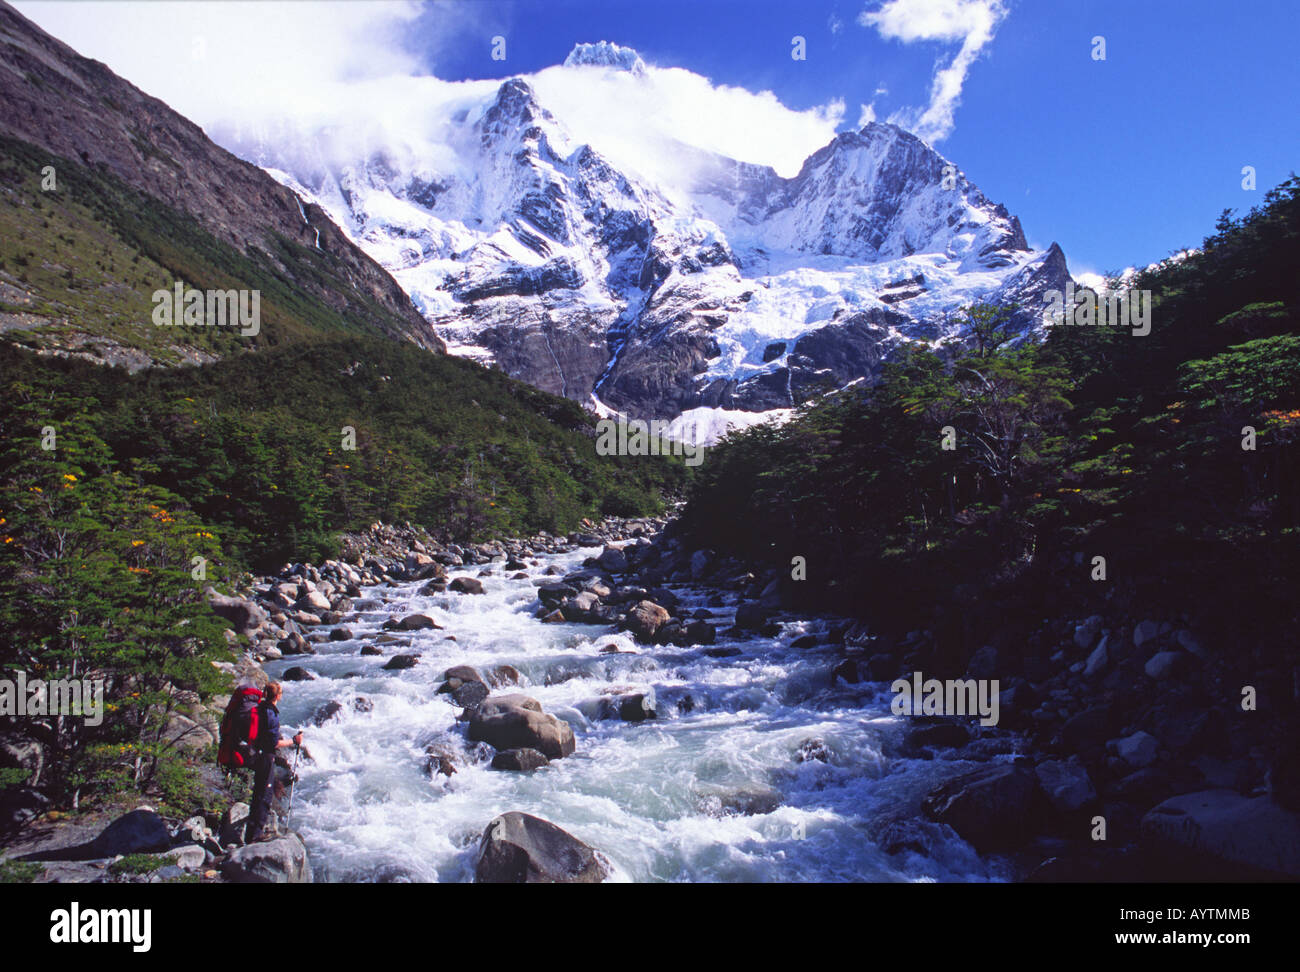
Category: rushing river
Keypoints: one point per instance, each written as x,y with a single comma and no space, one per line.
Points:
650,796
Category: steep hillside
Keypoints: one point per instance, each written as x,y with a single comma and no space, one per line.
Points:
108,196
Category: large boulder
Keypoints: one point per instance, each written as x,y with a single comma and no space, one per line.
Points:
582,608
1163,665
1067,785
552,595
518,722
141,831
518,848
1247,836
282,860
1138,750
314,602
994,807
645,620
752,617
138,832
613,560
244,616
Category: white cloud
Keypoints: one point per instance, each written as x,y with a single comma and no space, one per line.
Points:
210,60
281,69
970,22
867,116
638,122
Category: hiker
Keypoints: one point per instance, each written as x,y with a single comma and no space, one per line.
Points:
267,742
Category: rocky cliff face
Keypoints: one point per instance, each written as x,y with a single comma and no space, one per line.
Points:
737,290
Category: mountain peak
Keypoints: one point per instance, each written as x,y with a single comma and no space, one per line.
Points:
605,54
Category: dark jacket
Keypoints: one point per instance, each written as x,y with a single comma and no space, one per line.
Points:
268,731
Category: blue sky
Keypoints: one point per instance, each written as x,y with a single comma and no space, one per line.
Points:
1121,161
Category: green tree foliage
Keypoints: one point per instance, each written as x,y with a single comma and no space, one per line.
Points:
97,583
1090,440
256,445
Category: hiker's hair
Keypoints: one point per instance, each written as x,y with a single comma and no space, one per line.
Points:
273,690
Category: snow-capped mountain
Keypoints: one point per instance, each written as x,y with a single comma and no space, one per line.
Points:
733,291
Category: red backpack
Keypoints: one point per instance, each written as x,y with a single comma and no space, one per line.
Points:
239,728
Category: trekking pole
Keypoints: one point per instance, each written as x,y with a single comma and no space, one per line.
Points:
293,780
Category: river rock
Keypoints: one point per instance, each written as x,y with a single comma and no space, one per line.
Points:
645,620
1086,632
244,616
326,712
638,707
1224,827
1097,661
458,674
518,848
582,608
313,602
466,585
1066,785
747,799
188,857
994,807
464,685
413,622
518,722
552,595
752,617
295,644
467,695
519,759
1163,664
441,761
297,674
141,831
613,559
399,662
1138,750
943,735
233,822
1144,632
282,860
